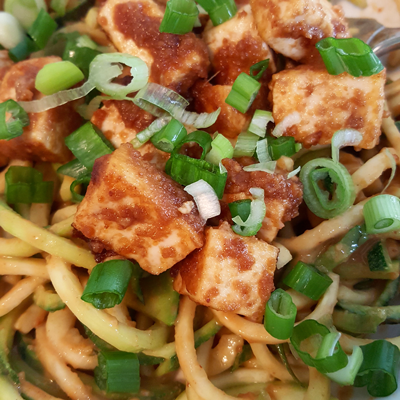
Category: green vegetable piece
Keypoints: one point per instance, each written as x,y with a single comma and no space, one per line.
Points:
13,126
48,300
347,321
378,257
180,17
242,357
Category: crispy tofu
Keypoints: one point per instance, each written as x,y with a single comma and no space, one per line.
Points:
121,121
282,196
230,122
235,46
327,103
43,138
293,27
138,212
175,61
229,273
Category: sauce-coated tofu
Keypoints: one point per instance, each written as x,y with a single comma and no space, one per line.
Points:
5,63
282,196
43,138
293,27
138,212
327,103
235,46
175,61
230,273
121,121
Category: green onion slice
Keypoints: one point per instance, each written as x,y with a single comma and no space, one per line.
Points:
157,100
22,50
117,372
57,76
311,338
343,138
246,145
348,55
253,223
26,11
179,17
287,122
12,32
219,11
203,139
244,91
186,170
41,30
307,280
320,200
261,67
170,136
280,314
382,214
155,127
13,126
84,181
379,368
221,148
107,283
105,67
74,169
25,185
87,144
293,173
267,166
259,122
241,208
262,151
282,146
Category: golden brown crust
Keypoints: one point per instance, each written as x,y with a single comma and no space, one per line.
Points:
133,209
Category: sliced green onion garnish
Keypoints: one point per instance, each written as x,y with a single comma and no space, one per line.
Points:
26,11
22,50
11,33
186,170
259,122
169,136
245,145
379,369
219,11
321,201
348,55
262,151
282,146
253,223
179,17
118,372
343,138
382,214
82,181
25,185
257,70
240,208
329,355
147,133
107,283
41,30
221,148
13,126
243,92
287,122
378,257
87,144
105,67
203,139
73,168
293,173
57,76
59,6
307,280
347,375
266,166
280,314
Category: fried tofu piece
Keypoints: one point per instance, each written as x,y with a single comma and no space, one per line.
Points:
43,138
138,212
230,122
293,27
235,46
175,61
121,121
327,103
5,63
230,273
282,196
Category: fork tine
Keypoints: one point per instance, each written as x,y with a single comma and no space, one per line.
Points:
364,28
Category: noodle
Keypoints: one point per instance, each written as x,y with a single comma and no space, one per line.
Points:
30,319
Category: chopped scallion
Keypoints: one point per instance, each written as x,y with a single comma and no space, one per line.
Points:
179,17
257,70
41,30
169,136
382,214
13,126
221,148
259,122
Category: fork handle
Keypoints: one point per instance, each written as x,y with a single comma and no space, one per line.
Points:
385,41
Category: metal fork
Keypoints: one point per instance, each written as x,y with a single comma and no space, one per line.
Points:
382,40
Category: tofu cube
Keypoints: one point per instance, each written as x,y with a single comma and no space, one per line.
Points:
293,27
235,46
175,61
43,138
327,103
229,273
138,212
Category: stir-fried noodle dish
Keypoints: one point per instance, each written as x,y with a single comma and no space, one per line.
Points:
197,201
